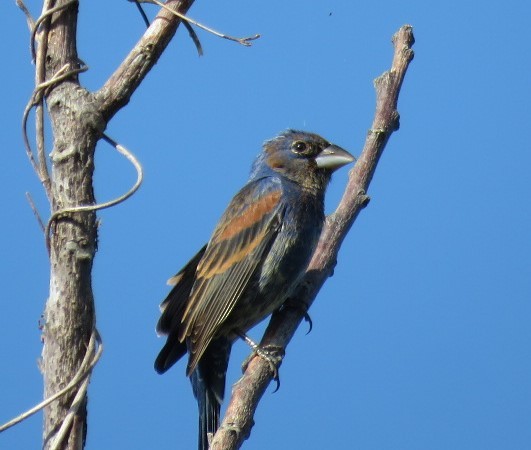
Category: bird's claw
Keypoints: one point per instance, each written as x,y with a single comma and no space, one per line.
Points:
303,308
308,319
273,355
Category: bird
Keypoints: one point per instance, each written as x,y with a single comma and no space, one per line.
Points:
258,252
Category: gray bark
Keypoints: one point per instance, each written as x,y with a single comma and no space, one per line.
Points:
78,119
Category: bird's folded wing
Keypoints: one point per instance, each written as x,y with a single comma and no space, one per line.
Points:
238,246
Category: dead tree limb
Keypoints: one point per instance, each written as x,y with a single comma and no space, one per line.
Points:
78,118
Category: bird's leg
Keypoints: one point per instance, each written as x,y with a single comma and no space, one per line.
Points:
272,354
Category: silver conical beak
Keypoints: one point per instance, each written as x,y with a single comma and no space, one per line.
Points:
333,157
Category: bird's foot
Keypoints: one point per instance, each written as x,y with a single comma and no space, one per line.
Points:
273,354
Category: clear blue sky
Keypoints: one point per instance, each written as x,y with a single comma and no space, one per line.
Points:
421,340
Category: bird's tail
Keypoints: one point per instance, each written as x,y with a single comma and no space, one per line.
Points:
208,383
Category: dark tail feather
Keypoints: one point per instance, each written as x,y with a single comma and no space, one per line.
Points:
208,384
172,351
209,409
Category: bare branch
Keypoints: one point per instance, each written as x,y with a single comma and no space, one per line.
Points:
25,10
245,41
68,319
238,420
188,27
35,211
118,89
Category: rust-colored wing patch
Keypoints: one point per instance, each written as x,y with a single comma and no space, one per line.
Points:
252,215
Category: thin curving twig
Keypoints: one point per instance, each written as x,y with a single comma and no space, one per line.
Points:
36,101
85,369
67,421
47,14
142,12
85,208
25,10
40,77
35,211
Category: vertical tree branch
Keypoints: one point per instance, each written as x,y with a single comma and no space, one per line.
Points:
69,312
78,119
246,394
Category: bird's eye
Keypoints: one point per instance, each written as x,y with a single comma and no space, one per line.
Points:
299,146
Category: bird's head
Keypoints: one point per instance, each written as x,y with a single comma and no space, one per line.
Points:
304,158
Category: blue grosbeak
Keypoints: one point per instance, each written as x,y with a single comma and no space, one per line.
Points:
258,252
